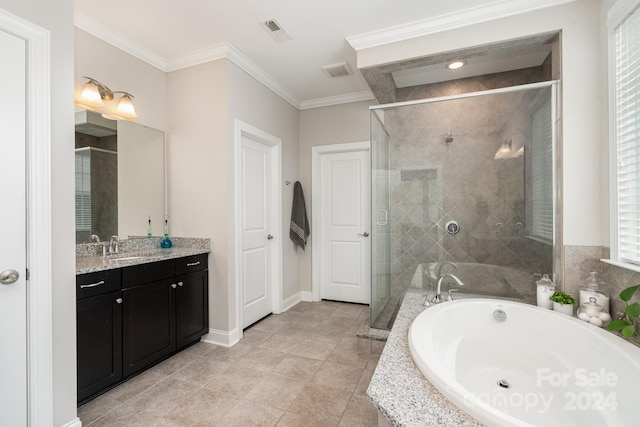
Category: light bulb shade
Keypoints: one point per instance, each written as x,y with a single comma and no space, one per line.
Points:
91,95
125,107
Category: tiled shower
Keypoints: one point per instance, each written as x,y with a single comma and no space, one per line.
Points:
483,163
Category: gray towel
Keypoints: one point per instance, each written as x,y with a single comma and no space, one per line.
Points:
300,229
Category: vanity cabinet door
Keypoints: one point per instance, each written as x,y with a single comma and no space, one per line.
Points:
192,305
99,343
149,325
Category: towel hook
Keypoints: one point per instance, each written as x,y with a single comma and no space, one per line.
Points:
287,182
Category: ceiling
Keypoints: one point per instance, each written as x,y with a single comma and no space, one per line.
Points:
171,35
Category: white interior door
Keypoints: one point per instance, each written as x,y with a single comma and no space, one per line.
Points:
256,229
13,264
345,226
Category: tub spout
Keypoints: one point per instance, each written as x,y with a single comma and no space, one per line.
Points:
437,298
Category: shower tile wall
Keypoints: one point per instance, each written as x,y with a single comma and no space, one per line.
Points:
434,182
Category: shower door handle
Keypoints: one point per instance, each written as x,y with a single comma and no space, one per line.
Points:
385,221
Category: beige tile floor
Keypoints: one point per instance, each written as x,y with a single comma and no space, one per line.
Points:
305,367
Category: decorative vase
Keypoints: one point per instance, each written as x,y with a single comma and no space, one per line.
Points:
563,308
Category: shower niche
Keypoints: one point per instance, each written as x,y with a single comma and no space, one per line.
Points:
469,180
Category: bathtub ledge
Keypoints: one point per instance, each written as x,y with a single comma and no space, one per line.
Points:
399,390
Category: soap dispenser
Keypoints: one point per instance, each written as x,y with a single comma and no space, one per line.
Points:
166,243
544,289
594,287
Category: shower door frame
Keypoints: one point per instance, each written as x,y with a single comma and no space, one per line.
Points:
556,125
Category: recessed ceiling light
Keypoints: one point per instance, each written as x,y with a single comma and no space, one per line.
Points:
454,65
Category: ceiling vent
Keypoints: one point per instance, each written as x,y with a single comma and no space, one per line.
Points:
337,70
276,31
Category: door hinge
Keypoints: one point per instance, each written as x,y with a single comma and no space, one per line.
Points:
26,275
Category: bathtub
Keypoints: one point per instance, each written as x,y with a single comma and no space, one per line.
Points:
512,364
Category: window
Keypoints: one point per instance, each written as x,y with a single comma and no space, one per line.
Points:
83,190
624,42
542,173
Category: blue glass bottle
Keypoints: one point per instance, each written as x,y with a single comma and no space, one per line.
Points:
166,243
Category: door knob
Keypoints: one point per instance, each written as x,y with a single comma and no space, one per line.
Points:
269,237
365,234
8,277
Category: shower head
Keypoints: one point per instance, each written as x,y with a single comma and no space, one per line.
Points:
448,138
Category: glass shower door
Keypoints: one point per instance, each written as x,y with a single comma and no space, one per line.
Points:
380,211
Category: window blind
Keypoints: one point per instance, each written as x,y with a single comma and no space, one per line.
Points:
542,173
83,191
627,135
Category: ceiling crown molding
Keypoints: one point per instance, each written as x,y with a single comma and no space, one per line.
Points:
106,34
335,100
449,21
222,51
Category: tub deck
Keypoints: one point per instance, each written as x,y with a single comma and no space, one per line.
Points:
399,390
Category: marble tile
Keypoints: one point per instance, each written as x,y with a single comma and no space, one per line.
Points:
262,359
98,407
320,400
201,348
298,367
291,419
162,397
205,407
202,371
174,363
312,348
359,413
135,386
236,381
250,414
276,390
337,375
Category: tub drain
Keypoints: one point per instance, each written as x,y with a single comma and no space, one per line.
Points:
504,384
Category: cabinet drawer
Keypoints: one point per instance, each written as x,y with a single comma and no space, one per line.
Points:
191,263
147,273
90,284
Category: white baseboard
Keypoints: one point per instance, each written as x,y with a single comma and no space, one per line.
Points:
220,337
306,295
73,423
291,301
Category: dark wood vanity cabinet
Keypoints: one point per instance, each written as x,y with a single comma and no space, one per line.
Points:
157,309
192,300
99,332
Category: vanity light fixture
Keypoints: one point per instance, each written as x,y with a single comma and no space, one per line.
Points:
95,93
454,65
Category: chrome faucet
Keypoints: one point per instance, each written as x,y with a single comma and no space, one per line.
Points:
113,244
440,266
437,298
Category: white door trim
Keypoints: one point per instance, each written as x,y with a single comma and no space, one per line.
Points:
316,250
241,128
39,299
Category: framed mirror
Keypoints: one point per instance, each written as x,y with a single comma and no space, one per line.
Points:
120,178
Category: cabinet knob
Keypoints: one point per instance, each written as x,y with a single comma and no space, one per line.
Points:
119,300
173,285
180,283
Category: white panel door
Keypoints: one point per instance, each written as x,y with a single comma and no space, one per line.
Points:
345,226
13,294
255,228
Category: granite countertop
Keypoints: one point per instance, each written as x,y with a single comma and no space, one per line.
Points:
89,257
399,390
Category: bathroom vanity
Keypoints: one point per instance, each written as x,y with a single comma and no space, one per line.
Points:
136,310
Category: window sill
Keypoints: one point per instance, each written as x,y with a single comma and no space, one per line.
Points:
622,264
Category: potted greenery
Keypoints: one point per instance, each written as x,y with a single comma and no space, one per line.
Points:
627,326
563,302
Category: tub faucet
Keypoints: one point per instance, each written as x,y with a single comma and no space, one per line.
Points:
441,265
437,298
